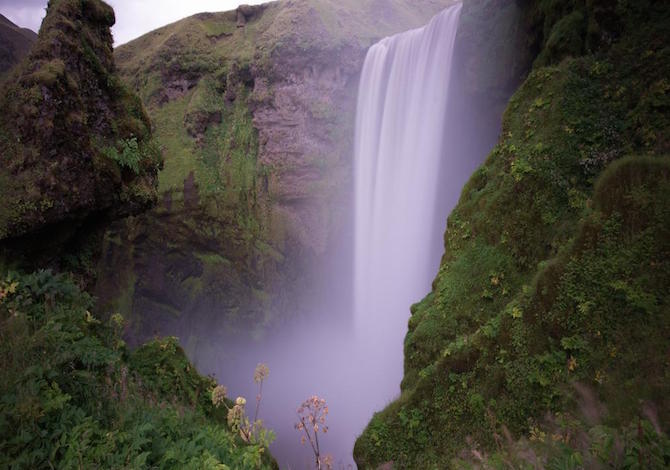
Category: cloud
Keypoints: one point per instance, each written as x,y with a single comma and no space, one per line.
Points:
25,13
6,4
133,17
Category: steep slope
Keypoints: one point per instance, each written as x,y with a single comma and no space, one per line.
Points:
15,42
549,319
254,109
75,144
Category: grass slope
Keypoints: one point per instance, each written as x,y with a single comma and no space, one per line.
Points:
209,39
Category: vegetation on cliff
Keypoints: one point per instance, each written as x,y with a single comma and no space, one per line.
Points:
73,396
548,319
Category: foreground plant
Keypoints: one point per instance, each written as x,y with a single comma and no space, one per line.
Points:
252,432
73,396
312,414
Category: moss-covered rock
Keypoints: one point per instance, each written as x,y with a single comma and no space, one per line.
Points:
75,143
555,261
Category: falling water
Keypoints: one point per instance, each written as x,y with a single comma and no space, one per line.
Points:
401,124
402,113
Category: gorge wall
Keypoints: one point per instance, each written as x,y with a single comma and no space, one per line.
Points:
254,110
75,144
535,346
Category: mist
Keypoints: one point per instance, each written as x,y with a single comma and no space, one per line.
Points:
419,135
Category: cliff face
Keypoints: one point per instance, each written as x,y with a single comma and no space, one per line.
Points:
546,332
75,144
255,111
15,42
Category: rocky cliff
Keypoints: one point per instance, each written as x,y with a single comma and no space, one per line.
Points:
75,143
544,341
15,42
255,110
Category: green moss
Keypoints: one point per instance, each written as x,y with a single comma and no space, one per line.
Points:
223,162
565,40
217,27
99,12
167,372
51,72
206,98
178,148
211,258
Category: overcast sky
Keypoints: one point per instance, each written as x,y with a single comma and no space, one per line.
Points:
133,17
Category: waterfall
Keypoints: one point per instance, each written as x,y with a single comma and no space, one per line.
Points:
402,115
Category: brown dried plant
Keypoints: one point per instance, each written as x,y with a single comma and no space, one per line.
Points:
312,415
250,431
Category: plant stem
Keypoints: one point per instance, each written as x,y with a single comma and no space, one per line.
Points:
309,438
258,400
318,452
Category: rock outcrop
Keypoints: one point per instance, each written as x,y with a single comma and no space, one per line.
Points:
75,143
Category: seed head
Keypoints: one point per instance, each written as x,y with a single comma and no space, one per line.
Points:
219,395
261,373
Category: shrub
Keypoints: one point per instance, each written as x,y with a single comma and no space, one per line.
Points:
71,398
